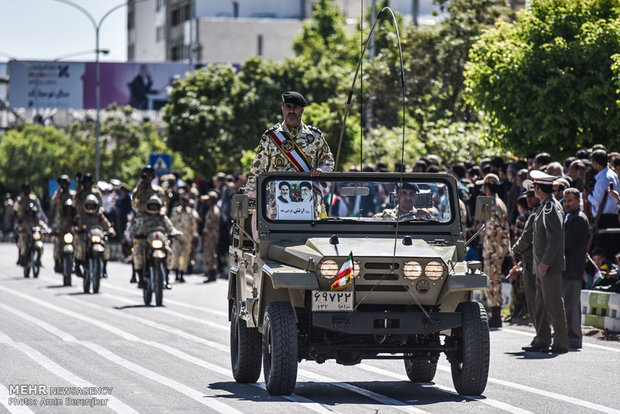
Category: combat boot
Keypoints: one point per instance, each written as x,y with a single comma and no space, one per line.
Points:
181,279
167,284
133,277
105,269
211,277
495,321
57,266
78,268
141,284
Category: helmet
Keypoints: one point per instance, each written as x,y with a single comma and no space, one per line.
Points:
148,169
63,179
153,205
91,204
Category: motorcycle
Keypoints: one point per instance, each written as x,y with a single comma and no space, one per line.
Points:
68,252
93,261
155,267
34,250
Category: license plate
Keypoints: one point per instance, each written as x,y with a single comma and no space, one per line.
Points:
326,301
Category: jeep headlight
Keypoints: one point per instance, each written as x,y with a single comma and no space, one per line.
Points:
433,270
328,269
68,238
95,238
157,244
412,269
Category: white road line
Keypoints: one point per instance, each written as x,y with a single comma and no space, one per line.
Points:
171,301
13,409
585,344
308,403
488,401
113,403
190,392
400,405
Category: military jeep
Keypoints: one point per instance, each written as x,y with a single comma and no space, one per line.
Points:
408,295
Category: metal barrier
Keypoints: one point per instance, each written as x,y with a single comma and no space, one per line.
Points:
600,309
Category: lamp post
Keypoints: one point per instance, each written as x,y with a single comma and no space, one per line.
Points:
97,27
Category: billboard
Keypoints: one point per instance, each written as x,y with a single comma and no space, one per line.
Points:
72,85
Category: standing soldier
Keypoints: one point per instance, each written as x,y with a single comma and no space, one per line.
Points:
495,247
210,235
549,263
59,200
185,219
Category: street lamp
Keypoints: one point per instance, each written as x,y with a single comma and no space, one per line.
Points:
96,26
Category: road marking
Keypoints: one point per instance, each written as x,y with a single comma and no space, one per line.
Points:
488,401
172,301
585,344
13,409
190,392
113,403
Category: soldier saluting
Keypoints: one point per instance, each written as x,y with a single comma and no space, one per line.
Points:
549,262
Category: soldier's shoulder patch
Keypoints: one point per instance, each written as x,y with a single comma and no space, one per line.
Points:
273,128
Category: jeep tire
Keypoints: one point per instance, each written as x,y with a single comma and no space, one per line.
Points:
280,348
471,369
420,370
245,348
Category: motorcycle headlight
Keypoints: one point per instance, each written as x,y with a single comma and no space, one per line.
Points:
328,269
95,239
412,269
157,244
36,236
68,238
433,270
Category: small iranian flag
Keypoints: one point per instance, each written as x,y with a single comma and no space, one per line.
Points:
345,274
597,276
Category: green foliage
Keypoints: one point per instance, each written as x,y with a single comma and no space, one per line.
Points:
548,81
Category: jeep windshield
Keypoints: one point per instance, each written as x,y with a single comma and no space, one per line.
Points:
356,198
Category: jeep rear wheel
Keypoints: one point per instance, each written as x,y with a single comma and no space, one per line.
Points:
420,370
280,348
245,348
470,368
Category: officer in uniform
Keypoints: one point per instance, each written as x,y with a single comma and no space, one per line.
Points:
291,145
549,262
184,218
92,216
210,235
143,224
59,200
495,247
406,206
63,224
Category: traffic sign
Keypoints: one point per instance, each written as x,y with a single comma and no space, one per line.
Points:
161,163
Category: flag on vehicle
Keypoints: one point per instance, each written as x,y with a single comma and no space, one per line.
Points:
345,274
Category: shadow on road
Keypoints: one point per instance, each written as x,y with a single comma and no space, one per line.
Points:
531,355
134,306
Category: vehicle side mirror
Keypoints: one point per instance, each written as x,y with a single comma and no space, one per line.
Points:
240,209
484,205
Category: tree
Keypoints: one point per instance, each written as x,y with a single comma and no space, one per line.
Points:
549,81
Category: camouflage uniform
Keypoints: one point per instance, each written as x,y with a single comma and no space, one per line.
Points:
25,227
141,194
210,237
80,197
270,158
22,203
183,219
495,247
85,222
143,225
394,214
60,224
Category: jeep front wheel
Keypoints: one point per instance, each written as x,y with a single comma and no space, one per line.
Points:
280,348
245,348
470,368
420,370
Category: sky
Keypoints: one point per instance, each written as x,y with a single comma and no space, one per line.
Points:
48,30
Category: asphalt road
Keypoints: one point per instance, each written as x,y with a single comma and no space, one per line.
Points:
66,351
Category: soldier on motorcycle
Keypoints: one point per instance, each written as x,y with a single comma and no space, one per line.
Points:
143,225
24,226
85,188
63,223
91,216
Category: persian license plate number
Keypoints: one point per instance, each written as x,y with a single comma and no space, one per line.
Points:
326,301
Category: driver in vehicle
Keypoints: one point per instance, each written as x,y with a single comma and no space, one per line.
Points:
405,209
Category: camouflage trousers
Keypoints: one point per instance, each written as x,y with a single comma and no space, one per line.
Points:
493,269
81,245
181,254
22,244
209,253
138,253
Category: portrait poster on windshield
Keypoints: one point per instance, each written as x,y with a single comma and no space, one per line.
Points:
294,200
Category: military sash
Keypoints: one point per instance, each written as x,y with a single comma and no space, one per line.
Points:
291,151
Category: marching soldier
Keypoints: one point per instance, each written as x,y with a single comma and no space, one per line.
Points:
59,200
495,247
210,235
549,262
291,145
185,219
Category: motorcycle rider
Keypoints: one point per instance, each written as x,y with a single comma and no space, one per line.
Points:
144,224
145,189
184,218
91,216
29,220
85,188
62,194
24,200
63,223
